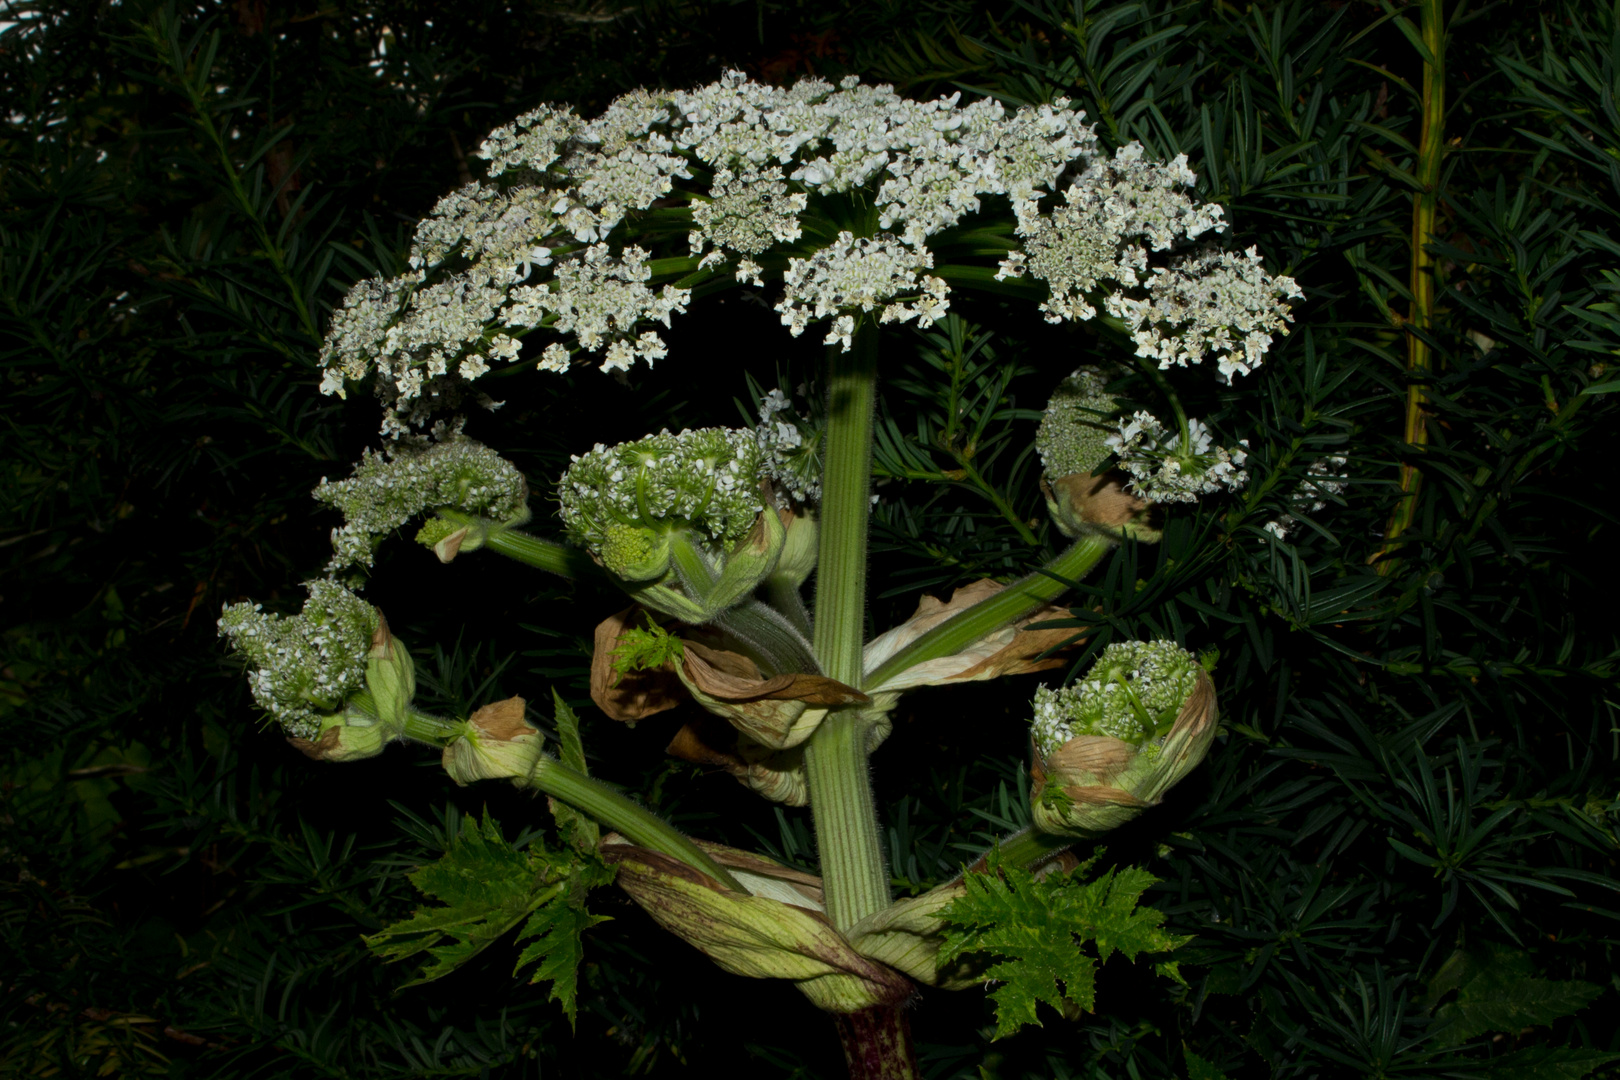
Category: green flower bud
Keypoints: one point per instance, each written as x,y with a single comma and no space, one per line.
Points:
682,519
304,669
635,554
800,548
353,734
703,482
1078,420
1110,745
390,677
495,743
387,490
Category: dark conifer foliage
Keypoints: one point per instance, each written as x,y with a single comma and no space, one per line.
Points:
1399,859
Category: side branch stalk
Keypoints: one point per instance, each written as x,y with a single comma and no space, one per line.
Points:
1019,600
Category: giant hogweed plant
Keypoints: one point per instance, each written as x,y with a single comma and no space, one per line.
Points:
856,212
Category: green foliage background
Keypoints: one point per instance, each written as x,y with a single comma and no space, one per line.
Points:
1400,860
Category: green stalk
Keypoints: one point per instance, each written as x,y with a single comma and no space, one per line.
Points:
1022,598
1425,204
1027,848
530,550
629,819
852,872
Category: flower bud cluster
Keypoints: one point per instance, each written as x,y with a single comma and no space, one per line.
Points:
617,500
1079,419
302,668
789,449
1163,470
1133,692
388,489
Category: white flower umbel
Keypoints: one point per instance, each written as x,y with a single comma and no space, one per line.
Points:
302,668
1133,692
1162,470
544,245
1323,481
862,274
388,489
1111,216
599,299
619,500
532,142
748,212
789,449
1218,302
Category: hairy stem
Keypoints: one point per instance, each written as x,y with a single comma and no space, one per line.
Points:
845,814
1028,848
770,634
1431,151
782,593
877,1044
1024,597
630,819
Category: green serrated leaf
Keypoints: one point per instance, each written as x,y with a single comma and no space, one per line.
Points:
579,831
1199,1069
556,930
1038,931
1547,1063
1497,993
485,888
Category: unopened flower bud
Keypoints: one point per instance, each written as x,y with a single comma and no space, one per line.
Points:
1110,745
800,547
350,735
495,743
390,676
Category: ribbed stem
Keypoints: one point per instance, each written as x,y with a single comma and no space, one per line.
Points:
852,873
1023,598
631,820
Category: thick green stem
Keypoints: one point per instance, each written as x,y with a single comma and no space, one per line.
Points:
426,728
852,873
877,1044
1023,598
629,819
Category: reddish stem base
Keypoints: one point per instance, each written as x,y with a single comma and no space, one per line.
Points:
877,1044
